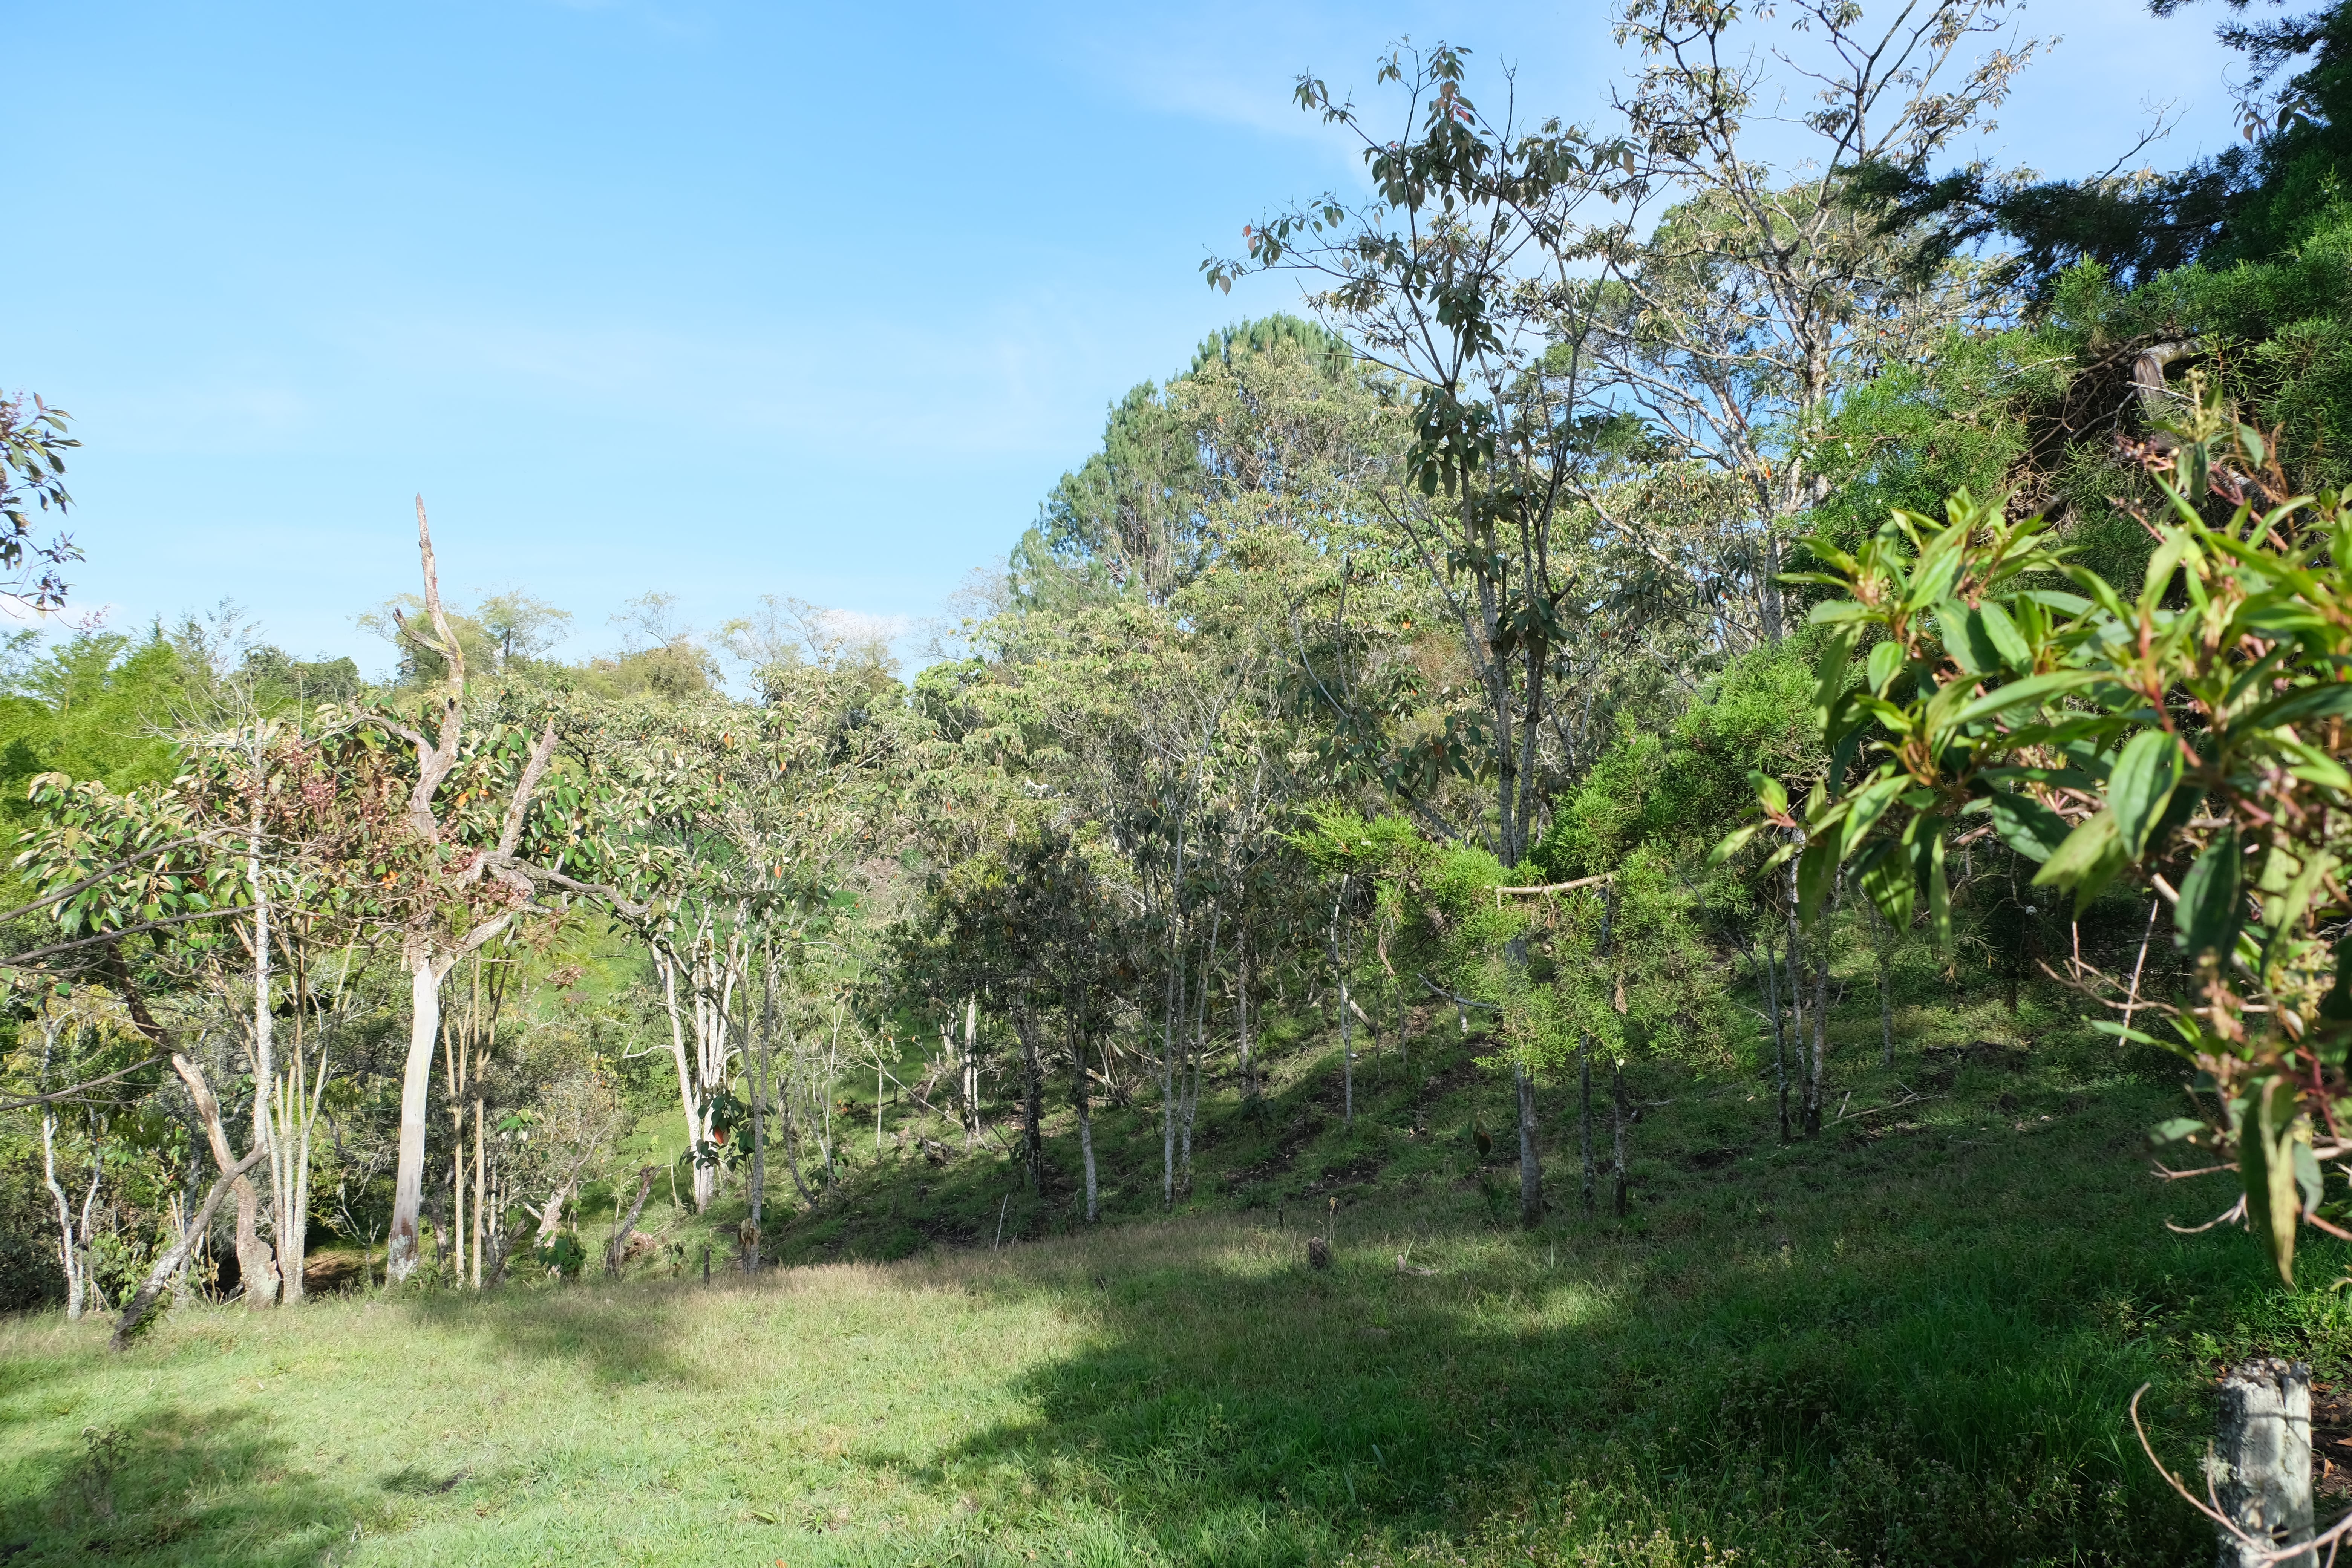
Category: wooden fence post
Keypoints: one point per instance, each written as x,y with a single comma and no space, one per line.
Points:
2261,1466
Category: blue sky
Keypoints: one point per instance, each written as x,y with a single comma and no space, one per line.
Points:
712,299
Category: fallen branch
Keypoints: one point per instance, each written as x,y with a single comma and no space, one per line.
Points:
2236,1211
143,1300
1435,989
1555,886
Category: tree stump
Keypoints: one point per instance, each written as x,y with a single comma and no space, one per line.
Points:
2260,1464
1319,1255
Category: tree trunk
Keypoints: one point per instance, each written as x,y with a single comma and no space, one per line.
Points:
1624,1188
479,1194
1168,1107
1794,952
1347,1058
763,1048
143,1301
1584,1081
1815,1082
628,1225
1032,1101
69,1254
971,1072
1082,1096
253,1255
2261,1466
263,1292
425,972
1241,1017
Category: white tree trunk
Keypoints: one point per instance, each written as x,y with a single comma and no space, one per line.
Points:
261,1288
69,1254
425,972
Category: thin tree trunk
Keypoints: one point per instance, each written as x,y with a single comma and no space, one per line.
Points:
2131,1004
1032,1100
262,1291
480,1180
1815,1082
628,1225
1584,1082
143,1301
971,1071
763,1048
1082,1096
1242,1015
1796,958
69,1253
425,972
793,1146
253,1257
1168,1109
1624,1189
90,1287
1197,1050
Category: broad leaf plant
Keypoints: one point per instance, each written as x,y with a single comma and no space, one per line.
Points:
2191,736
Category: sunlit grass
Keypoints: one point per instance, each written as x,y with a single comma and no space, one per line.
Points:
1908,1342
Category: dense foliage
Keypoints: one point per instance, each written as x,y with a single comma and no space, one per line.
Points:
1660,589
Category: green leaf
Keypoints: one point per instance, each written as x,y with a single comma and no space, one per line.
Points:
2166,559
2141,785
1952,623
1939,893
1886,663
1817,872
2006,639
2026,826
2174,1130
1868,805
2284,911
1886,880
1829,671
2032,689
1771,791
1733,843
1939,568
2332,700
2212,901
2088,861
2266,1164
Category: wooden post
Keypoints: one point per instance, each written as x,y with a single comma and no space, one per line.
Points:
2261,1466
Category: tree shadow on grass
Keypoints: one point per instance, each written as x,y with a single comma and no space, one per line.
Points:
174,1486
1812,1386
621,1333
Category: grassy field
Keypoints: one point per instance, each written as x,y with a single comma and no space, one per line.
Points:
1908,1342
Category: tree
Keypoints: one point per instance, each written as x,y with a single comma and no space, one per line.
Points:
2191,735
33,445
1463,278
464,861
1734,328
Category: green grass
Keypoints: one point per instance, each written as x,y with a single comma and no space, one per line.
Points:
1909,1341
